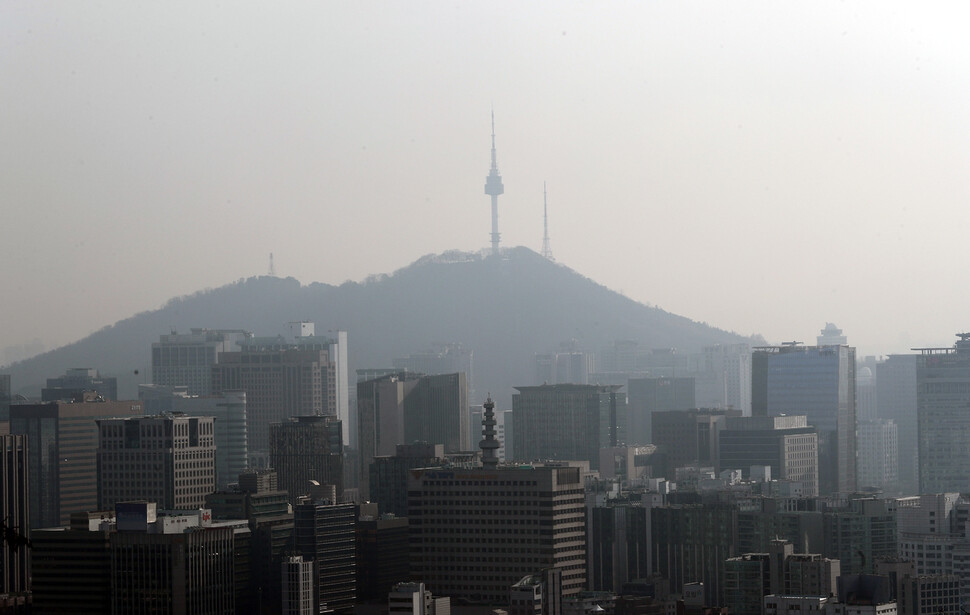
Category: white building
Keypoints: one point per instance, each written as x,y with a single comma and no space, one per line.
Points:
298,586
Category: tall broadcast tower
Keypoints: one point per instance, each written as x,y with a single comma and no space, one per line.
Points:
546,249
493,188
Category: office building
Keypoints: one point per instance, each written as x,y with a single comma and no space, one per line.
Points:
819,382
286,377
570,365
618,544
382,552
413,599
324,533
649,395
388,481
436,411
750,577
787,444
6,394
186,359
270,519
298,581
566,421
76,381
71,570
474,532
943,415
305,449
896,401
169,459
689,437
404,408
723,378
537,594
229,411
449,358
878,454
380,419
62,445
14,483
173,563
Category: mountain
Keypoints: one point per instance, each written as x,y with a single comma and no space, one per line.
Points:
504,310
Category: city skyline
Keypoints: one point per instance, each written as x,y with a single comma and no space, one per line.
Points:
761,168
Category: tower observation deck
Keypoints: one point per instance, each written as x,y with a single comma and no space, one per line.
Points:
494,188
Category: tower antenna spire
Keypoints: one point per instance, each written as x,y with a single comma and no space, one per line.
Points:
546,249
272,267
494,188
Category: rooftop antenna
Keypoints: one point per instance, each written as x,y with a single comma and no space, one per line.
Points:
494,188
272,267
546,250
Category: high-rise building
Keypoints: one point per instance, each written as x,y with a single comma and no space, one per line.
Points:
723,378
785,443
305,449
388,481
6,394
878,454
186,359
177,563
436,411
475,532
450,358
324,533
413,599
14,480
943,413
169,459
537,594
382,553
405,407
285,377
819,382
62,445
227,408
298,581
71,570
618,544
566,421
76,381
896,401
649,395
689,437
750,577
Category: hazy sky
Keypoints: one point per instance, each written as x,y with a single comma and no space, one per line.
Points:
761,166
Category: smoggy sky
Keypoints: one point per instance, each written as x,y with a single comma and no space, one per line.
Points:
761,166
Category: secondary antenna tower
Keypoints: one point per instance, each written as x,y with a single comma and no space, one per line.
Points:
546,250
494,188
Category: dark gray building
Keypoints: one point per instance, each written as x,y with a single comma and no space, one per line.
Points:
649,395
14,480
307,448
76,381
786,444
943,414
566,421
819,382
325,533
